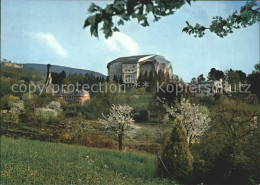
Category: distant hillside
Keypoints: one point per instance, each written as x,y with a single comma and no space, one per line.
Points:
58,69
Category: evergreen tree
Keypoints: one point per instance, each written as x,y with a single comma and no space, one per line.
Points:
151,81
215,74
145,77
201,78
176,160
115,79
160,76
140,79
167,78
121,80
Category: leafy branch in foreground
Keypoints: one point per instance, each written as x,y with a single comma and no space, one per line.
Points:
127,9
222,27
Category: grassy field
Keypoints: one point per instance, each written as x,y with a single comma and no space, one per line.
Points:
34,162
140,104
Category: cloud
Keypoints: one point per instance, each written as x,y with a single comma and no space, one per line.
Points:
121,41
50,41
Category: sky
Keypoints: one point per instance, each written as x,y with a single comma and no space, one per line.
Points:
51,31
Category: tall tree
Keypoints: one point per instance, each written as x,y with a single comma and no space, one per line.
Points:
176,160
233,127
233,79
194,80
201,78
254,80
215,74
241,75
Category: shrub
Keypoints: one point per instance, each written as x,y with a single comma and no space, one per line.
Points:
176,160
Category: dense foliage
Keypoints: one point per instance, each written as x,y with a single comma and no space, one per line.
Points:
176,160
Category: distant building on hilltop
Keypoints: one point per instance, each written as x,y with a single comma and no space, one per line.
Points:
11,64
209,88
129,68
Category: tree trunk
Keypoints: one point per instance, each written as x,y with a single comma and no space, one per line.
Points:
120,144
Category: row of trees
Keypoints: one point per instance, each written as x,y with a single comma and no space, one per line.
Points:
234,77
230,75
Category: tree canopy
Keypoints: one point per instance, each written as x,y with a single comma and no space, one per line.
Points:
125,10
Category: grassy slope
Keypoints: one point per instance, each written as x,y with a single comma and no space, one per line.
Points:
34,162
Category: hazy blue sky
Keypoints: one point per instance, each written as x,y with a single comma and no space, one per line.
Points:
40,31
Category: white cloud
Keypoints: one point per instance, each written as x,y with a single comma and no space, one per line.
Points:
49,40
121,41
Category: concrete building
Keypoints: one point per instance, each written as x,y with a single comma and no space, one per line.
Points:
129,68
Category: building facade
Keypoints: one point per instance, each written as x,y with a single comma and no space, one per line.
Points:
80,96
129,68
209,88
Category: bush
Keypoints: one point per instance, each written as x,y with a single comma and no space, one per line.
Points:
176,160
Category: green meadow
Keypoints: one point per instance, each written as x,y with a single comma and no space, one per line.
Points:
35,162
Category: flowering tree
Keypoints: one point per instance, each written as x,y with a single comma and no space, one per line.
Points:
49,112
195,120
119,120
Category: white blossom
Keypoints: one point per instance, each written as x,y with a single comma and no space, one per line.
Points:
119,119
194,120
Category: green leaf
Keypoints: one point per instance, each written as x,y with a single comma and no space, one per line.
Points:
120,22
185,29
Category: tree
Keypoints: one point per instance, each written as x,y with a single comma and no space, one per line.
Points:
257,68
11,118
57,78
233,79
215,74
241,75
194,80
194,118
201,78
115,79
125,10
176,160
222,27
119,120
233,127
253,79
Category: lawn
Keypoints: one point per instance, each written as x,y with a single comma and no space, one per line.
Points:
35,162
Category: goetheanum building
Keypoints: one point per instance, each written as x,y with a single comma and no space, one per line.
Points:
129,68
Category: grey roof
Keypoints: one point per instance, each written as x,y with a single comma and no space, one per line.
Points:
79,93
82,93
135,59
